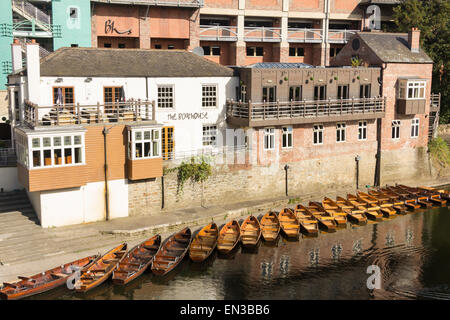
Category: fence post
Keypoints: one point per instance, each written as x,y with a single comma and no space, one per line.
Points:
78,113
153,110
278,109
291,115
304,108
264,109
36,115
57,116
329,105
364,104
341,104
250,110
98,111
353,104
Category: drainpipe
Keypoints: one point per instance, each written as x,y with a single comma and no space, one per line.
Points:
162,192
286,168
357,159
377,179
105,133
325,30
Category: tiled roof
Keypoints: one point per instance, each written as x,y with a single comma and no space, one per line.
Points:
393,47
93,62
279,65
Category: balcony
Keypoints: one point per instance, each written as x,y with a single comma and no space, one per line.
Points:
262,34
162,3
304,35
76,114
340,36
218,33
263,114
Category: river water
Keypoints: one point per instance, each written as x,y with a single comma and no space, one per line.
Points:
412,252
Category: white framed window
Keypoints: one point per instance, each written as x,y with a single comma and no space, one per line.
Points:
243,96
144,143
362,130
287,137
269,138
396,129
209,135
340,132
209,96
411,89
415,128
56,150
165,96
22,149
318,134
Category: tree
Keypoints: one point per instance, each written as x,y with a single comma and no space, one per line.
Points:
432,18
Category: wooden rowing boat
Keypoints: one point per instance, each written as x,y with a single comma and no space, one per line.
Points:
354,215
435,196
137,261
270,226
332,210
229,237
250,231
383,197
410,203
444,194
289,223
421,199
44,281
172,252
326,223
386,207
371,211
309,224
204,243
101,270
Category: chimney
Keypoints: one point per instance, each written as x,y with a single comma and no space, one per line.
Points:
33,71
16,54
414,40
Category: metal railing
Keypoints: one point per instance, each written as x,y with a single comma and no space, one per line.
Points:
218,33
23,43
30,29
166,3
71,114
304,35
340,36
29,11
304,109
262,34
8,157
206,152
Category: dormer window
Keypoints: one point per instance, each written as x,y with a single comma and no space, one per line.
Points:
410,89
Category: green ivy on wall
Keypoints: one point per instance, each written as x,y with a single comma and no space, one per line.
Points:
197,170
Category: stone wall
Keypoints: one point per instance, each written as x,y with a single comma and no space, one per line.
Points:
238,183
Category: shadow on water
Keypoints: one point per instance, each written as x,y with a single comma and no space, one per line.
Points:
412,252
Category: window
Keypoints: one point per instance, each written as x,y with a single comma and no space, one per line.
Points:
320,92
287,137
121,45
364,91
107,45
269,94
414,128
211,51
209,135
52,151
255,51
145,143
340,132
295,93
73,13
243,93
209,96
269,138
318,134
362,130
63,95
296,52
412,89
113,94
165,97
170,46
334,51
168,143
22,149
342,92
395,129
74,45
158,46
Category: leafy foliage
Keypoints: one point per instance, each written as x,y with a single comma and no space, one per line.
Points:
356,62
439,151
196,170
432,18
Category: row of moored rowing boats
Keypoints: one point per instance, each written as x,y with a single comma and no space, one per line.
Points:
162,257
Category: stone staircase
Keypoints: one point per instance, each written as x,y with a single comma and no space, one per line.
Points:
16,209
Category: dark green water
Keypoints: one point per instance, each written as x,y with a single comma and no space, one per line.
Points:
412,252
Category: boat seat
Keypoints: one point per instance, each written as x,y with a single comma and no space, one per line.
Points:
60,275
182,240
154,247
130,264
26,279
6,284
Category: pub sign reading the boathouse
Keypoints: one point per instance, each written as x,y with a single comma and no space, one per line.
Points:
188,116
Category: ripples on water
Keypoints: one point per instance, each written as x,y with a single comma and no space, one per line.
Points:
412,251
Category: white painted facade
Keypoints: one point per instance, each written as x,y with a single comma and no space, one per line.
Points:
80,205
9,180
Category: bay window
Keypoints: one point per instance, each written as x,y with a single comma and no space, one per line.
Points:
144,143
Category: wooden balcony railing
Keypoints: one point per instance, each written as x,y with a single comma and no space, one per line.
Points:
305,111
435,102
57,115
